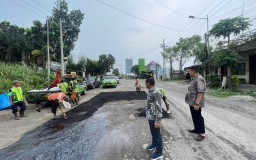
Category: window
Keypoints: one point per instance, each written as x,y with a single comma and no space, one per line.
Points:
240,69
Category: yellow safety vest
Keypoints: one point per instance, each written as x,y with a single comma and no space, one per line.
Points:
17,94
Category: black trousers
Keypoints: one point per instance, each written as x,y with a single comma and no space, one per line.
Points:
53,104
156,137
20,104
198,120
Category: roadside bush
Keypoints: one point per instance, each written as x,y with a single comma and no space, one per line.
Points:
235,81
213,81
32,77
226,93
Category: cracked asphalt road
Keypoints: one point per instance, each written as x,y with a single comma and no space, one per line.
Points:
113,131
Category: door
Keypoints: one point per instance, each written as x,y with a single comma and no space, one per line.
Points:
252,69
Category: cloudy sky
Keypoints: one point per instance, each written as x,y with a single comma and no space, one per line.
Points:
132,28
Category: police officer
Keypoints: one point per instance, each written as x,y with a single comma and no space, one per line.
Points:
196,100
17,99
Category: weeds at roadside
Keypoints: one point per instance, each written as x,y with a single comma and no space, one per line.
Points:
227,93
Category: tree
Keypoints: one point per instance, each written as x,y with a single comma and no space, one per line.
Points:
38,57
171,56
106,62
184,49
225,28
226,57
71,21
135,69
82,61
71,65
116,72
92,67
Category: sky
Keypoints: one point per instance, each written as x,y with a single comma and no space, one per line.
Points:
132,28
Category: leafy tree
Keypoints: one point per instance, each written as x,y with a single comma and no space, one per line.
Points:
82,61
135,69
106,62
226,57
116,72
184,49
38,57
225,28
17,44
71,21
71,65
171,56
93,68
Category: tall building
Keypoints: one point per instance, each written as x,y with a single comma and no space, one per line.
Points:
141,65
128,65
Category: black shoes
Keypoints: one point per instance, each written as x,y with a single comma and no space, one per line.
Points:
192,131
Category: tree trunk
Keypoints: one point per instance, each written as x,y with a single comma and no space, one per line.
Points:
229,82
180,67
229,74
170,68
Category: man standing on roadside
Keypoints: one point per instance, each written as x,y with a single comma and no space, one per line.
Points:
17,99
154,115
196,100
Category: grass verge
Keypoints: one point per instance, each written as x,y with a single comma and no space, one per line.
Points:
227,93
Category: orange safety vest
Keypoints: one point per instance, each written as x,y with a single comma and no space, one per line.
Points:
56,96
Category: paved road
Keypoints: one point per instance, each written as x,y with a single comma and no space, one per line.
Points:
115,132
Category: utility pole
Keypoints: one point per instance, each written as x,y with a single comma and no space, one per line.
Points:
207,34
61,42
48,51
208,37
164,60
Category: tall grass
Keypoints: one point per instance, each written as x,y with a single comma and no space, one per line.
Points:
31,76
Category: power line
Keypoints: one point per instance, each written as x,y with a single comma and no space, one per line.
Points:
243,9
136,17
191,22
232,11
194,26
33,7
154,48
222,7
170,9
216,6
250,11
41,6
27,9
